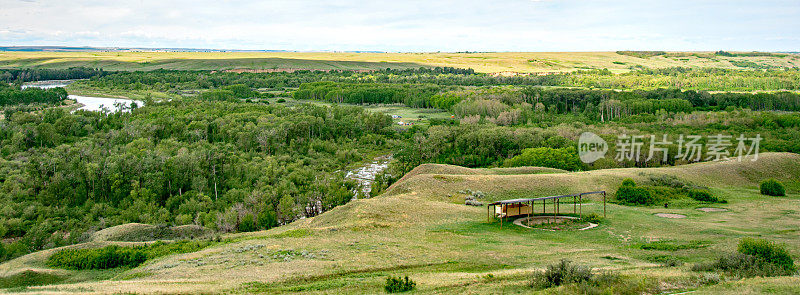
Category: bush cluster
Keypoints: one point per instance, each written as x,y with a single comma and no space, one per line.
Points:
561,273
578,279
661,189
755,257
102,258
29,278
563,158
398,284
592,218
767,251
704,196
772,187
116,256
629,193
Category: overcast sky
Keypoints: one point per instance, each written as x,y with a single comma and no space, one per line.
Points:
406,25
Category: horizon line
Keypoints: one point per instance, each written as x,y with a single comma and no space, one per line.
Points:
80,48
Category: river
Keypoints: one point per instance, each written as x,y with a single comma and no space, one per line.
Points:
89,103
365,175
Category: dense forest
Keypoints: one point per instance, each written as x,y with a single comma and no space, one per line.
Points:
215,164
512,102
678,78
224,152
26,75
10,95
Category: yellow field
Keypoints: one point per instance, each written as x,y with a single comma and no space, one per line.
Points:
500,62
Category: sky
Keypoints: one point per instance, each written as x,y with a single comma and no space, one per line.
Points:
406,25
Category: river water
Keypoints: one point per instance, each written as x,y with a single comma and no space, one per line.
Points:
89,103
365,175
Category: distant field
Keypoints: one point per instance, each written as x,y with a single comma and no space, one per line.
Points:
511,62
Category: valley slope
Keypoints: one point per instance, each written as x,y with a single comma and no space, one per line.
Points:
421,228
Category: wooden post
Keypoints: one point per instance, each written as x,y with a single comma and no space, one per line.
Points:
502,211
530,205
574,205
580,208
558,206
488,214
604,204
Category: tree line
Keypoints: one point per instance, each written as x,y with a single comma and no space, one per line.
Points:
10,95
39,74
708,79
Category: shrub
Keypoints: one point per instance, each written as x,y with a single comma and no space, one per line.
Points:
566,158
668,181
772,187
116,256
280,100
704,196
398,284
559,274
29,278
267,219
628,182
592,218
755,257
103,258
628,194
578,279
248,223
742,265
768,251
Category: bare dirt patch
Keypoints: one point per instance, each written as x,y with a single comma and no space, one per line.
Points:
670,215
710,209
551,224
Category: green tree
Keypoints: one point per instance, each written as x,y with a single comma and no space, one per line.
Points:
287,208
559,158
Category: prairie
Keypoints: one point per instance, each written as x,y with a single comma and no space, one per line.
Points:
421,228
506,63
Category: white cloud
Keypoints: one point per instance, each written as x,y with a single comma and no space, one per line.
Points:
414,25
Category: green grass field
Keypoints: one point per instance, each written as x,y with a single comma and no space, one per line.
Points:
421,228
510,62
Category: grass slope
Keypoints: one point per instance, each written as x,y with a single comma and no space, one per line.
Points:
520,62
419,228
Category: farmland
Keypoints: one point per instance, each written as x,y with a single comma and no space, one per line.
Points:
510,62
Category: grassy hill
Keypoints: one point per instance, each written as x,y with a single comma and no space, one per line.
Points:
513,62
421,228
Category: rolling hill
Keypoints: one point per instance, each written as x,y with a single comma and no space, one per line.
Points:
502,63
421,228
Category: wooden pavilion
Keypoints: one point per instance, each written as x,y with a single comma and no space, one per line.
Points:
518,207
